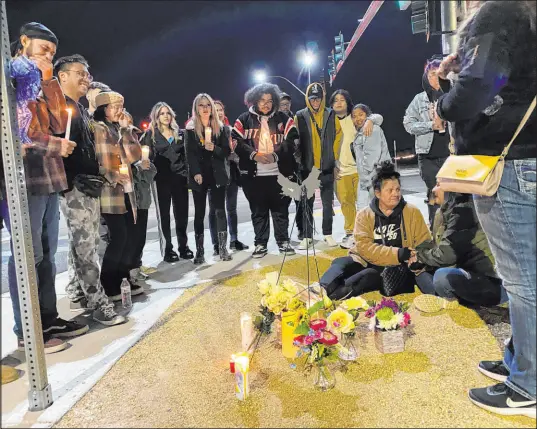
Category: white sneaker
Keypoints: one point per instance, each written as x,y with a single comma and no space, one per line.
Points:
347,242
329,240
305,243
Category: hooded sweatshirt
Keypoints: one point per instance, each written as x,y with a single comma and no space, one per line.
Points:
320,134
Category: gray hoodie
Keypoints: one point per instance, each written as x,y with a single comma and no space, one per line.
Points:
367,152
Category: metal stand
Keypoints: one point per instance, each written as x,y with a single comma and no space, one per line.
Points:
449,10
39,395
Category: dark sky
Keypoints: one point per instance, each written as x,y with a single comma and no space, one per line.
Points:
172,50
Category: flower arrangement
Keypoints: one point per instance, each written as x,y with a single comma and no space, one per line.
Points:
388,315
318,344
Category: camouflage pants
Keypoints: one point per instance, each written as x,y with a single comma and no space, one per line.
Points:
82,214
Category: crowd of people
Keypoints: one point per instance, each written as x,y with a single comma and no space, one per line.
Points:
473,249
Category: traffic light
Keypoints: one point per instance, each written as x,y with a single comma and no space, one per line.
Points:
425,17
340,48
331,64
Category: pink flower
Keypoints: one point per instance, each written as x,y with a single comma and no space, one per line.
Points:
318,324
309,340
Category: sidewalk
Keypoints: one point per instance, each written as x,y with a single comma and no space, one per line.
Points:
76,370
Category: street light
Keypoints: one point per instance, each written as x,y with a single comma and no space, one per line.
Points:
308,59
260,76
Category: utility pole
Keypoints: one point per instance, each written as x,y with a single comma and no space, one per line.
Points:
449,26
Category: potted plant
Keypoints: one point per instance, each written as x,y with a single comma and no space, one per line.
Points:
388,319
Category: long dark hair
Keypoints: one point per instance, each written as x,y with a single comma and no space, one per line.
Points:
346,95
100,115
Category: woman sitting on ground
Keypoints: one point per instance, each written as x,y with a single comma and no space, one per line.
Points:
385,234
458,241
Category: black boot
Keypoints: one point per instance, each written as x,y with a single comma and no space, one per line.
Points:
222,244
185,253
216,250
200,251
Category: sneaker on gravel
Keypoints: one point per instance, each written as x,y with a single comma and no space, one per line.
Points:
52,345
305,243
108,317
501,399
433,304
347,242
329,240
260,251
494,369
286,249
65,329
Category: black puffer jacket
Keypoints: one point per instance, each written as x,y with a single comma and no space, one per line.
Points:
458,238
169,158
497,53
212,165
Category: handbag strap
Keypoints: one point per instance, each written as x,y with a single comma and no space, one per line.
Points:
520,126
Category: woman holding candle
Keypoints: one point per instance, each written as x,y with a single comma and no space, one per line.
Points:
117,148
168,154
207,151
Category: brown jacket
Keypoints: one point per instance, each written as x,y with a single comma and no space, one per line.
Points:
366,250
111,153
45,173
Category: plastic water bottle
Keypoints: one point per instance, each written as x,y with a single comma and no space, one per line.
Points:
126,298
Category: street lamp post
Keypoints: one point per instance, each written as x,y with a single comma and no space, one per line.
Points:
261,76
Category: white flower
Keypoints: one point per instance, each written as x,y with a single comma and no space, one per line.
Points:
264,287
388,325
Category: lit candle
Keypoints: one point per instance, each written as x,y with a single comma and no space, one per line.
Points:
208,134
124,170
145,153
247,331
242,382
68,127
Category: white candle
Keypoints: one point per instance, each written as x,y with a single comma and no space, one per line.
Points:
247,331
124,170
242,382
145,153
208,134
68,127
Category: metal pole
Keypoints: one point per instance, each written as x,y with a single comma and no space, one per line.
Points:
288,81
39,394
395,154
309,76
449,26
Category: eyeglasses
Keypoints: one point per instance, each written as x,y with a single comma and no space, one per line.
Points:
265,102
204,106
82,74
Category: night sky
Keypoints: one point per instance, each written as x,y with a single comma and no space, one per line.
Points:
170,50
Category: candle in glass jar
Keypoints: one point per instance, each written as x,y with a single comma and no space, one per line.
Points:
247,331
208,134
124,170
145,153
68,126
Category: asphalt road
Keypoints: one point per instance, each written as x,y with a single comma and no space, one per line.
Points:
412,184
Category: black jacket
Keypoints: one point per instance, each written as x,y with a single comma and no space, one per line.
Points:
458,238
169,158
498,58
212,165
282,132
83,160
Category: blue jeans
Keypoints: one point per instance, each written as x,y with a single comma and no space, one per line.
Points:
458,283
44,213
508,219
231,210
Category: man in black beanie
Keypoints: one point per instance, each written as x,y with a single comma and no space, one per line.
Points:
45,179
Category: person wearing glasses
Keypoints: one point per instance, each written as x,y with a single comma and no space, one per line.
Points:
285,105
207,152
265,145
80,203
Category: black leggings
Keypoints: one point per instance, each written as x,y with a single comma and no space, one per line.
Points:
346,278
117,260
173,189
218,200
